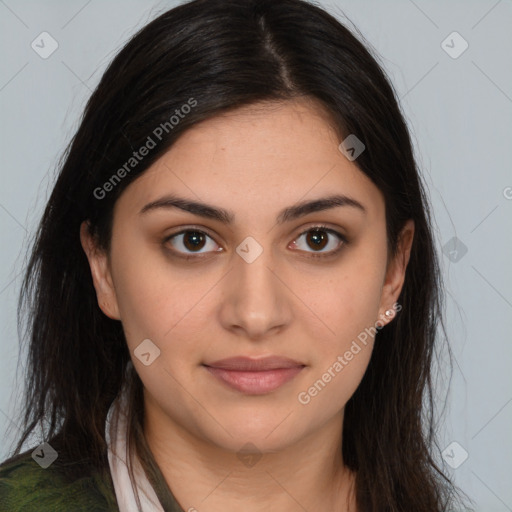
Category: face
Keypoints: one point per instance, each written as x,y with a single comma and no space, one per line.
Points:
257,274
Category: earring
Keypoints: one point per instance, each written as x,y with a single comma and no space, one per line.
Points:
389,312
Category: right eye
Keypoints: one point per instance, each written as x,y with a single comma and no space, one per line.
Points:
191,241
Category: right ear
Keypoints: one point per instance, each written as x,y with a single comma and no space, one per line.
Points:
100,271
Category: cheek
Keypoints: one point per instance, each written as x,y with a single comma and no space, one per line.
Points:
152,297
330,386
160,304
348,302
348,305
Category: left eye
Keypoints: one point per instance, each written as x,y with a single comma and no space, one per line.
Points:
320,238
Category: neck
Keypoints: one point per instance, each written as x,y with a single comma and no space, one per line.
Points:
308,475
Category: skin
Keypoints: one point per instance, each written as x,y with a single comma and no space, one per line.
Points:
253,162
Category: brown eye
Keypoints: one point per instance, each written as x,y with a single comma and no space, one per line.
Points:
191,241
317,239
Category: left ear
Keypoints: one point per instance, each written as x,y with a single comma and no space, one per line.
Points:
395,272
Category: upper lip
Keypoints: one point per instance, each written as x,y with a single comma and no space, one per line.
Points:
249,364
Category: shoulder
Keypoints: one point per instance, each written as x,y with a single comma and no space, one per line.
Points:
28,487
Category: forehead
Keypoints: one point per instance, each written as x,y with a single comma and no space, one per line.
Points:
261,157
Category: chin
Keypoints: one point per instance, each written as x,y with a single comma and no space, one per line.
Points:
265,436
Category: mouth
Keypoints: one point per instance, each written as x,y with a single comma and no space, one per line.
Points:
255,376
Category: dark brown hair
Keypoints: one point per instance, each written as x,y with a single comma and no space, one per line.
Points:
226,54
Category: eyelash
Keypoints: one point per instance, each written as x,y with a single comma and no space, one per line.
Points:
319,227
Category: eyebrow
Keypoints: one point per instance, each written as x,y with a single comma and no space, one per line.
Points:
227,217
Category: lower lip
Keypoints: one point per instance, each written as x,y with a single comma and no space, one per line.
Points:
255,383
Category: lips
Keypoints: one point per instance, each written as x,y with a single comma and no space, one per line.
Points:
247,364
254,376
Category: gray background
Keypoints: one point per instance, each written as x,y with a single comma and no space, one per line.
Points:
460,114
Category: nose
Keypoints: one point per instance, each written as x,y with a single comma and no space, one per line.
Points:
255,301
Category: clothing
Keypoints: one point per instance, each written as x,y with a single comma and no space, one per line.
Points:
116,429
26,487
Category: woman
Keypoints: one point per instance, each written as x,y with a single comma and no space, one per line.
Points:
233,295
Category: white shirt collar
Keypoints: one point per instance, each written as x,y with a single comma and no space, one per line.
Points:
117,457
